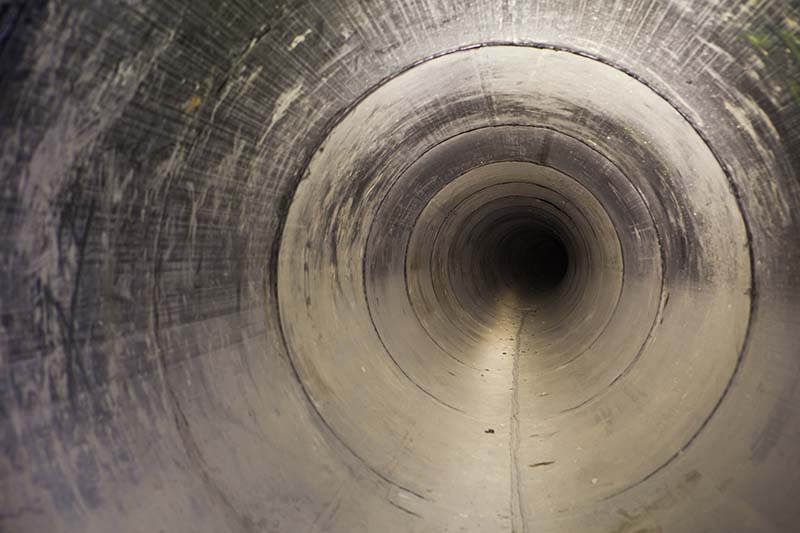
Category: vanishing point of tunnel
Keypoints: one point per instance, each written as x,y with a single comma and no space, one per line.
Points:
369,266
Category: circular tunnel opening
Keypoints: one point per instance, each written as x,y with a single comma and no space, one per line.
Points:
533,258
498,240
501,262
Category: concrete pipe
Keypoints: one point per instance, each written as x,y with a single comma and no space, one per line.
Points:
402,265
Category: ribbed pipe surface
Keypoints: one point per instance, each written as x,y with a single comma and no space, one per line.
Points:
413,266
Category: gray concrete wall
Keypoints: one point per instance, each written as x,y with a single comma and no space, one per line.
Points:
263,269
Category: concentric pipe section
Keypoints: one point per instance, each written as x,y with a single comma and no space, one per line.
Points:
405,266
393,267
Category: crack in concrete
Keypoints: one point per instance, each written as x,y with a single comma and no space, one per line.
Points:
518,520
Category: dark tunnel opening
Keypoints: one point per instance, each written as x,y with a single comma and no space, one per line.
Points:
532,258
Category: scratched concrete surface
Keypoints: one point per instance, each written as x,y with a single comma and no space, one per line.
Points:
399,265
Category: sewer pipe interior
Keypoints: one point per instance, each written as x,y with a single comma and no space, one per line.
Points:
403,266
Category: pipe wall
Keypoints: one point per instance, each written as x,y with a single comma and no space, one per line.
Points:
407,265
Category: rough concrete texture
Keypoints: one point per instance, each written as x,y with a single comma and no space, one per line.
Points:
400,265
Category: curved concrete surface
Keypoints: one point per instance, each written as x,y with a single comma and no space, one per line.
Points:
400,266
